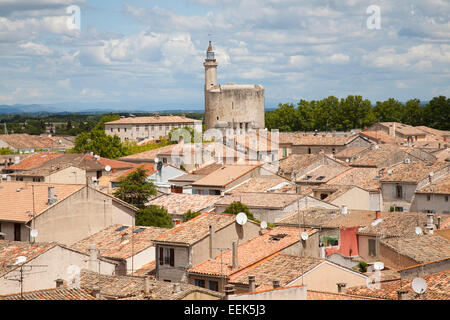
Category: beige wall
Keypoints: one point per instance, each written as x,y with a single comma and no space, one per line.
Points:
326,276
79,216
363,248
71,175
387,191
8,228
56,262
355,199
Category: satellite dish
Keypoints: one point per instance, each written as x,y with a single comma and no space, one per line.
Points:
374,223
241,218
304,236
263,225
156,160
20,259
419,231
378,266
34,233
419,285
108,168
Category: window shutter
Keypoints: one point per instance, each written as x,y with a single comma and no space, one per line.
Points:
394,193
403,192
172,257
161,256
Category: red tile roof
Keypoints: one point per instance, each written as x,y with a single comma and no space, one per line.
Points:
52,294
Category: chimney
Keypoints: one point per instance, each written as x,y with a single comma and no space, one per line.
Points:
229,290
176,288
146,285
341,287
51,195
93,258
235,255
430,226
211,241
96,292
251,284
59,283
298,189
276,284
377,214
402,294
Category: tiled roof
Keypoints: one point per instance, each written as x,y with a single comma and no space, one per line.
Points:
11,250
261,184
441,186
349,152
376,156
119,244
365,178
434,132
443,155
197,228
260,199
321,174
210,168
282,267
16,198
179,203
403,128
149,155
381,136
438,288
255,142
52,294
114,164
225,175
35,161
319,295
153,120
149,167
299,138
424,248
251,252
398,224
413,172
329,218
132,288
26,141
297,162
147,270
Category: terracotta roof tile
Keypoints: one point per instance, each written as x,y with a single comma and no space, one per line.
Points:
251,252
225,175
16,198
260,199
52,294
414,171
26,141
441,186
319,295
179,203
197,228
153,120
438,288
116,241
262,184
35,161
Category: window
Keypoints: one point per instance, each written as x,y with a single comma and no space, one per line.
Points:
137,128
17,230
398,191
118,129
213,285
199,283
446,198
372,248
309,150
111,129
428,197
125,129
36,179
323,196
284,152
167,256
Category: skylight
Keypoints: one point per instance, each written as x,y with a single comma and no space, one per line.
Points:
121,228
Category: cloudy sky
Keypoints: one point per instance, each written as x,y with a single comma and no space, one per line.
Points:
149,53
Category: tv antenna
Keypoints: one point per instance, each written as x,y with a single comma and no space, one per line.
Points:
23,269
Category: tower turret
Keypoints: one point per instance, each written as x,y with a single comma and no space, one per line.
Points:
210,68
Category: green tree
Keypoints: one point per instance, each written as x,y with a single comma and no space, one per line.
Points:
5,151
437,113
362,266
413,113
390,110
135,189
154,216
236,207
190,215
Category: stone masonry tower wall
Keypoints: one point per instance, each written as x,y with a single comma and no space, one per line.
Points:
231,105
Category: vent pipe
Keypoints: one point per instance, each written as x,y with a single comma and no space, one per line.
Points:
211,241
251,284
276,284
235,255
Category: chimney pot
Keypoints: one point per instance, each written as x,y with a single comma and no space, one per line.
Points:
96,292
341,287
211,241
276,284
176,288
251,283
377,214
402,294
59,283
229,290
146,285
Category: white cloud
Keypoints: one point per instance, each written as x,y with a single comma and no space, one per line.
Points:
36,49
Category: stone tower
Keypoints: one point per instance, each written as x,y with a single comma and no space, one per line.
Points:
231,105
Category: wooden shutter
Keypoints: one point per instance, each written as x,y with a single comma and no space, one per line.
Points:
372,249
161,256
172,257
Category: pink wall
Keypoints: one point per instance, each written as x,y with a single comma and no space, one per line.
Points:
348,241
